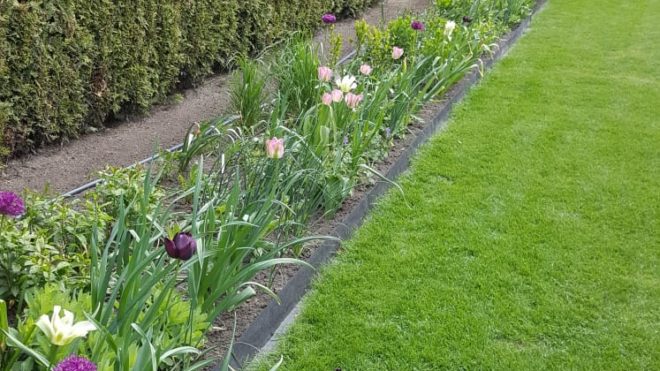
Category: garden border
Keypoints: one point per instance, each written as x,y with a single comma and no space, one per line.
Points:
277,316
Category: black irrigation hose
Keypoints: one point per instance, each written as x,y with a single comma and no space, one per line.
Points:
87,186
94,183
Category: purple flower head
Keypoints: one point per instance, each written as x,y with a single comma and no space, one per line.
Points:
181,247
329,18
11,204
345,140
388,132
417,26
75,363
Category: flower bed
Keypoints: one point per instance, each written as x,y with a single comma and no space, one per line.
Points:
152,257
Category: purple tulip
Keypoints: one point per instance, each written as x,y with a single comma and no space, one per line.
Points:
329,18
417,26
11,204
181,247
75,363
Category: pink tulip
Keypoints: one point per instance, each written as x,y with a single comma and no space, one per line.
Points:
326,98
337,95
353,100
397,53
365,69
325,74
275,148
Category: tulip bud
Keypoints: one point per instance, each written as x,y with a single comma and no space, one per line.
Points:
449,29
365,69
181,247
325,74
326,99
275,148
397,53
353,100
337,95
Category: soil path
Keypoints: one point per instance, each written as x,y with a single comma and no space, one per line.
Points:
65,167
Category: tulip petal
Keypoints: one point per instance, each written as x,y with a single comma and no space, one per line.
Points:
170,248
82,328
45,326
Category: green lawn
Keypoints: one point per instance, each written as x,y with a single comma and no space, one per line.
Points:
530,233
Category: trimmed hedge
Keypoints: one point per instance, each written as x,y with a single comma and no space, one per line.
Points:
68,65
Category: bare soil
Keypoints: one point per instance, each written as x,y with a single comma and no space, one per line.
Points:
64,167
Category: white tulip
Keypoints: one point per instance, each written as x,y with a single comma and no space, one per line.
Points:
449,28
61,330
346,84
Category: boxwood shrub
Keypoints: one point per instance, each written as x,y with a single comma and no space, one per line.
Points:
70,65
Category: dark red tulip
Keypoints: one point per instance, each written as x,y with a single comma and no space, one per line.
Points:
467,19
182,246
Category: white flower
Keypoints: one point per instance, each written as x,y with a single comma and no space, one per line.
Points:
449,28
346,84
61,330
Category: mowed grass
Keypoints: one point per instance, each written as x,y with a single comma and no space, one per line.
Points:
529,236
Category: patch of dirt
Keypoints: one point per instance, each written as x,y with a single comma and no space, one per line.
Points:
65,167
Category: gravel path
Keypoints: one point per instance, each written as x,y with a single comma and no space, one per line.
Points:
65,167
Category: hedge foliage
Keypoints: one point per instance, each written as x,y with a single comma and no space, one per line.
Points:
68,65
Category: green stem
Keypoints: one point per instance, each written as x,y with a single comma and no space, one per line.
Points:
52,355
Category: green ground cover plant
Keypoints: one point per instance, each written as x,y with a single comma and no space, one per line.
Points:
133,274
528,235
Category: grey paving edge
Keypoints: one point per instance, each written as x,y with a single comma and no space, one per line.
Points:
276,318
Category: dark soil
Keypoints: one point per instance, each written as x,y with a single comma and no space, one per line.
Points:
65,167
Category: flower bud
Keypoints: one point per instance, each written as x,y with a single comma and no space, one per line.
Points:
353,100
11,204
329,18
397,53
275,148
181,247
365,69
325,74
417,25
326,99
